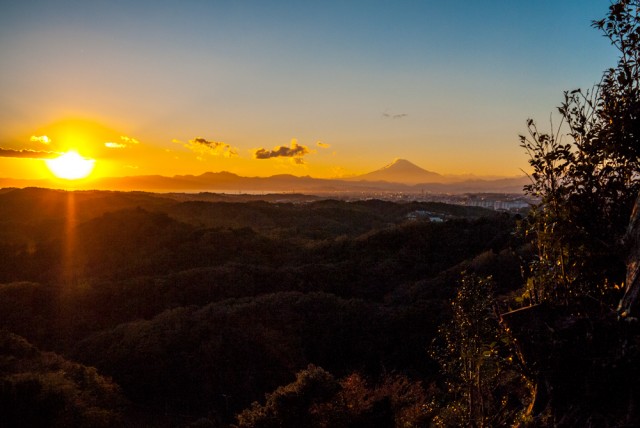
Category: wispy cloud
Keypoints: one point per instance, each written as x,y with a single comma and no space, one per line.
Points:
129,140
27,154
202,146
112,145
323,145
394,116
40,139
125,142
295,152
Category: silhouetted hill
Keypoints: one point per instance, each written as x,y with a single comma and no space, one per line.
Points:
399,176
398,179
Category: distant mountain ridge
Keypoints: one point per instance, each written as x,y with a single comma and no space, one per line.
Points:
399,176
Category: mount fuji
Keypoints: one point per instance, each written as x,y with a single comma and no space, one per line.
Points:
402,171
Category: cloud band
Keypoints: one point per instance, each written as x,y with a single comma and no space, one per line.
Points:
27,154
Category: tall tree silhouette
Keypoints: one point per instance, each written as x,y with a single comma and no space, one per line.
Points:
586,172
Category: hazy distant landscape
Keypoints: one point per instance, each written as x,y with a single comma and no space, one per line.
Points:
399,176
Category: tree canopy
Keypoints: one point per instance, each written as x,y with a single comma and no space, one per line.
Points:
586,172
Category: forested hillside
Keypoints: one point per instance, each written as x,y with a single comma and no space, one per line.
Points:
195,310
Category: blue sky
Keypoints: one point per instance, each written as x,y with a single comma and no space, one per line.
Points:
447,85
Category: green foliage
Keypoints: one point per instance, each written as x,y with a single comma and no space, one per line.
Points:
240,348
44,390
317,399
485,386
395,401
587,185
195,317
289,406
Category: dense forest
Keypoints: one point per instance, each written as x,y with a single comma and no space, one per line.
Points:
142,310
138,309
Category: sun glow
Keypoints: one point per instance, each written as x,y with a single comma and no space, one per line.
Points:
70,166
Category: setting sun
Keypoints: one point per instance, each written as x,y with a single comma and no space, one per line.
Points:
70,166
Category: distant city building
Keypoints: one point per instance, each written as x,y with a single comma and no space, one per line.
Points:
497,202
424,215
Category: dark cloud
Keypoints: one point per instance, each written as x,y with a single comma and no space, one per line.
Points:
295,151
215,148
323,145
27,154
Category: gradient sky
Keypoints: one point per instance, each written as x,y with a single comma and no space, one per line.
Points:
323,88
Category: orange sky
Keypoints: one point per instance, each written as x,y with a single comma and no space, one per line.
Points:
329,89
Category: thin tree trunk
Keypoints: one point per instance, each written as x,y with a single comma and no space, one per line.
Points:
628,306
